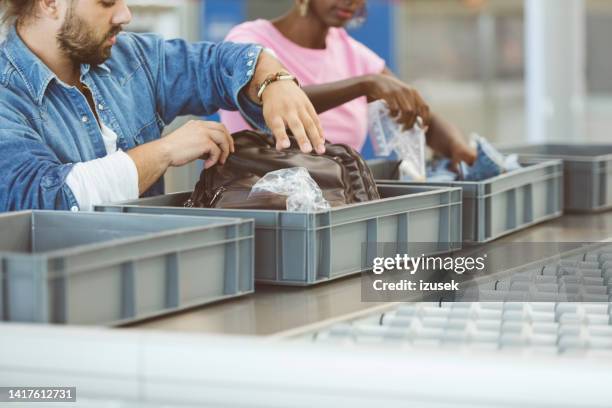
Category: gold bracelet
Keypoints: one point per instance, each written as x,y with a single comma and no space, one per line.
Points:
279,76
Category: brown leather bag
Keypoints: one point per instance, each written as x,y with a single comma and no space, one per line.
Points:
341,173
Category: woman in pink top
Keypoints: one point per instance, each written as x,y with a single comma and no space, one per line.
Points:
341,75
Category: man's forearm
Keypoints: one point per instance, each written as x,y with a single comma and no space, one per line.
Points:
109,179
151,160
266,65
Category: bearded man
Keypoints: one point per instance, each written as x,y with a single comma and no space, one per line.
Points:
83,105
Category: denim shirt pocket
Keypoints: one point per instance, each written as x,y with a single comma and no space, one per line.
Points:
147,132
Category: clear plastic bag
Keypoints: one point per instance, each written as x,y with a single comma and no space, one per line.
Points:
388,137
303,193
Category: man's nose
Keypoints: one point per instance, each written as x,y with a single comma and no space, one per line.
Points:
123,15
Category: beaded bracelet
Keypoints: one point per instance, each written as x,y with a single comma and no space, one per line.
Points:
279,76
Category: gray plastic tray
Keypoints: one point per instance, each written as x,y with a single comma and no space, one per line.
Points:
94,268
587,170
304,249
500,205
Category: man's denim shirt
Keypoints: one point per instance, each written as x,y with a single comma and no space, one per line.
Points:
46,126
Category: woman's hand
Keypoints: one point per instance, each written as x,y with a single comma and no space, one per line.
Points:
462,152
403,101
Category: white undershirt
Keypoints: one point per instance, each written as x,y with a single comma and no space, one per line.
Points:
110,179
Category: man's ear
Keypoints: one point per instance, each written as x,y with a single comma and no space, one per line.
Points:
49,8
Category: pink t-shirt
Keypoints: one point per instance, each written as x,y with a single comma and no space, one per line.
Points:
344,57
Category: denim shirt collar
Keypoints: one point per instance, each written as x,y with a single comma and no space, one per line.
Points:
35,74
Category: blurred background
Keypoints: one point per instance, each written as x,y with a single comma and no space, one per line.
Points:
510,70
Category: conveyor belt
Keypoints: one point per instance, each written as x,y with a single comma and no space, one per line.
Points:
562,307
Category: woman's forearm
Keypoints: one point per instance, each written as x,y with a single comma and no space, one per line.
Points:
331,95
441,135
446,139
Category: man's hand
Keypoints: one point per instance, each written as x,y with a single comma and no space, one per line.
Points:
197,139
403,101
286,106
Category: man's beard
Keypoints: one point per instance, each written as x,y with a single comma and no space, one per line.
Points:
80,42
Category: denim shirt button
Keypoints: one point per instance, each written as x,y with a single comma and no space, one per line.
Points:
74,208
84,119
100,107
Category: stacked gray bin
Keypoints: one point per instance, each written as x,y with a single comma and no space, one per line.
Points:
308,248
588,172
94,268
500,205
